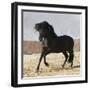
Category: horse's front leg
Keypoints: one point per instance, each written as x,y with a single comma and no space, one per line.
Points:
42,54
45,61
46,53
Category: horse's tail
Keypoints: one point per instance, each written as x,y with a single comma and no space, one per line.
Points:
71,56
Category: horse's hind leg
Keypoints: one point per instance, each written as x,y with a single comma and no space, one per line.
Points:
66,57
71,57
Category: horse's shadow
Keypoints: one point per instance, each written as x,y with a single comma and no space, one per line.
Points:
58,68
77,66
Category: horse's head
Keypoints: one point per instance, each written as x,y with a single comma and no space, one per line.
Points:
44,28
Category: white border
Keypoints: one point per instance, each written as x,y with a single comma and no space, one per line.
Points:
82,49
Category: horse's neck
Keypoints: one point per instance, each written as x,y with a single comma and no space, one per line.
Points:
48,39
53,35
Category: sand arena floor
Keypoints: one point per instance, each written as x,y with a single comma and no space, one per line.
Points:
55,65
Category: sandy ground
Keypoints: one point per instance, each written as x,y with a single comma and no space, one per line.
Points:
55,65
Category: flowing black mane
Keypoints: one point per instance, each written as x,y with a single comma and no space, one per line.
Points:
51,43
51,31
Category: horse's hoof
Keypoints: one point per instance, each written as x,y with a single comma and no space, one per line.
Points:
47,64
71,67
62,66
37,70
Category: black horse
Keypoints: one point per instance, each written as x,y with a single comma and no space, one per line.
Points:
51,43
